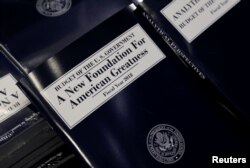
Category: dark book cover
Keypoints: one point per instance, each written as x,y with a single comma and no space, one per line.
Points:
40,28
16,111
122,99
26,139
213,36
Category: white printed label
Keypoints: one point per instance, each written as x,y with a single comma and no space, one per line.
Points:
12,100
97,79
193,17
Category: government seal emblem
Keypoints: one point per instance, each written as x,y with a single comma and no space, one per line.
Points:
165,144
52,8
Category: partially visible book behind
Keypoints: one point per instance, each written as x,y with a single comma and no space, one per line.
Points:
32,29
121,98
26,139
212,36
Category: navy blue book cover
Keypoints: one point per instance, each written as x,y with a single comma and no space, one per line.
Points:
16,112
40,28
213,35
122,99
26,139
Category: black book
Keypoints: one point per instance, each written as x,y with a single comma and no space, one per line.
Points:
26,139
122,99
213,36
17,113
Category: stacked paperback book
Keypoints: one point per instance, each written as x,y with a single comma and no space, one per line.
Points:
26,138
131,85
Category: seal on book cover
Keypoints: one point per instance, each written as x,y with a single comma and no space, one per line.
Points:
53,8
165,144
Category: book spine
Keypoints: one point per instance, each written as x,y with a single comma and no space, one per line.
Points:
172,44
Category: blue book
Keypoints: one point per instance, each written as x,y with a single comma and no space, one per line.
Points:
26,139
16,111
122,98
212,37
